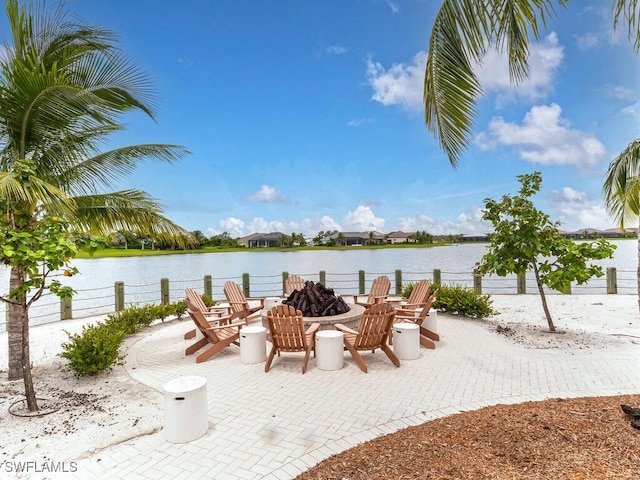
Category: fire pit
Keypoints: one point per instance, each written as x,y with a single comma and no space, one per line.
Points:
320,305
315,300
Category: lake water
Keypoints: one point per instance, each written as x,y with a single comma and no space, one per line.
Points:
141,275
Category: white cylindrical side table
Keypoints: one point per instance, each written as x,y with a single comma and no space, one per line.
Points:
329,350
431,321
253,344
406,341
185,409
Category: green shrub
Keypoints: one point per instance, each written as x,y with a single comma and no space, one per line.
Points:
208,301
180,308
95,350
407,288
461,300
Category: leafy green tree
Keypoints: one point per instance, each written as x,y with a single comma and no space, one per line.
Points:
340,239
284,240
199,238
525,239
63,89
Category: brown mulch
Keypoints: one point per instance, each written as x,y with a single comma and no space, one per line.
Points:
569,439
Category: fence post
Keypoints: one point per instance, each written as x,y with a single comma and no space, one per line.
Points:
477,282
398,282
360,282
285,275
208,286
612,280
246,285
437,276
65,309
323,277
119,293
522,283
164,291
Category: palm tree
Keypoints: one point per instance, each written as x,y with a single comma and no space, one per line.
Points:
63,87
462,33
621,191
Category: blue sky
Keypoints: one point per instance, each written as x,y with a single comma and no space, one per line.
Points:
307,116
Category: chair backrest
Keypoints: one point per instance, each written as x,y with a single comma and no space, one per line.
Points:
374,327
235,296
293,282
380,288
195,299
201,322
419,294
286,328
425,308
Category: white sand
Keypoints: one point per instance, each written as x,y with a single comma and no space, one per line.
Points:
108,409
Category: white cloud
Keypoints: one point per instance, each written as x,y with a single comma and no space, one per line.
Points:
335,50
544,60
362,219
395,8
544,138
466,223
356,122
401,84
233,225
268,194
574,210
259,224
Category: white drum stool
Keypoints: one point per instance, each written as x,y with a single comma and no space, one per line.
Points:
406,341
185,409
329,350
253,344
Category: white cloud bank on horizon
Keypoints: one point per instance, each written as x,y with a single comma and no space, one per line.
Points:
573,208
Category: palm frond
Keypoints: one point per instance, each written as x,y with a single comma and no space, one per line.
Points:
626,11
131,210
462,32
621,188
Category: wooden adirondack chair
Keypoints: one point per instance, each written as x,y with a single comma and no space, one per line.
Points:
378,293
197,304
426,335
287,333
239,304
417,298
373,332
293,282
218,337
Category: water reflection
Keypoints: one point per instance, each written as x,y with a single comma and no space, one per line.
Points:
141,275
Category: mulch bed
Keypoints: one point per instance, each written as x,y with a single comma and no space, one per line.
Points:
569,439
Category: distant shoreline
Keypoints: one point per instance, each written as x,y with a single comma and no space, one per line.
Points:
137,252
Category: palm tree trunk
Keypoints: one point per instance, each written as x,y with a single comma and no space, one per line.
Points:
545,307
638,268
18,335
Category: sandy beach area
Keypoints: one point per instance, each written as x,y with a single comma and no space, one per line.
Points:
96,413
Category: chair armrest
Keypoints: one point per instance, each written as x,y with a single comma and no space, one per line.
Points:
313,328
344,329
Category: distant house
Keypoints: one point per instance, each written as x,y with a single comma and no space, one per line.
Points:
401,237
355,239
475,238
258,240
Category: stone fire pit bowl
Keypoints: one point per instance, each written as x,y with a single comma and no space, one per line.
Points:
349,319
